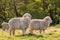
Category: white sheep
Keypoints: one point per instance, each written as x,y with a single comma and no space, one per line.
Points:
39,24
5,25
19,23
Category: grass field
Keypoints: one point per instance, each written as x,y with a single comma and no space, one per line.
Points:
52,33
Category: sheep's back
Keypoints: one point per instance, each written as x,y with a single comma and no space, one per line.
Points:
37,24
15,23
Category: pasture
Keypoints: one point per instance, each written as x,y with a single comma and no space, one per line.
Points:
52,33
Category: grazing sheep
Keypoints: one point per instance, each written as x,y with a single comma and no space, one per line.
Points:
39,24
19,23
5,25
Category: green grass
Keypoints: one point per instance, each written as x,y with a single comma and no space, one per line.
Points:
57,26
53,35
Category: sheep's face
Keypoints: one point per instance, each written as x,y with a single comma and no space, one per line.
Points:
3,28
48,19
27,16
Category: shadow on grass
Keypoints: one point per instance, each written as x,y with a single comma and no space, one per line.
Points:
50,33
28,35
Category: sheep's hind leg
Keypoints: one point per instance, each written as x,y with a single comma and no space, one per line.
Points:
40,31
13,31
23,32
31,32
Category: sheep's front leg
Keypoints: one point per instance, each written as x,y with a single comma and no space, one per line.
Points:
23,32
10,31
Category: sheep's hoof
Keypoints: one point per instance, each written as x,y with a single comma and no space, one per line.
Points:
22,35
31,34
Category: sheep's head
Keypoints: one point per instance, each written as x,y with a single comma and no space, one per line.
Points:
27,16
4,24
48,19
3,28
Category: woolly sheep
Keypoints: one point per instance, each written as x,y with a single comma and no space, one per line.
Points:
5,25
39,24
19,23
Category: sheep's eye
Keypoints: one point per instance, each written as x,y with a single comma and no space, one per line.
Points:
24,16
29,16
47,19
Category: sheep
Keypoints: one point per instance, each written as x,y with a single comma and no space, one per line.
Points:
19,23
5,25
39,24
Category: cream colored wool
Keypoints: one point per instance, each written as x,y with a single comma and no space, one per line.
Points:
40,24
19,23
5,25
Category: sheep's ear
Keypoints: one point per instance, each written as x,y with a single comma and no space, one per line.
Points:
47,19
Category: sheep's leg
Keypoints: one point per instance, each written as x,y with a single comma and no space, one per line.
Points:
43,30
13,31
7,29
10,32
23,32
31,32
40,31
